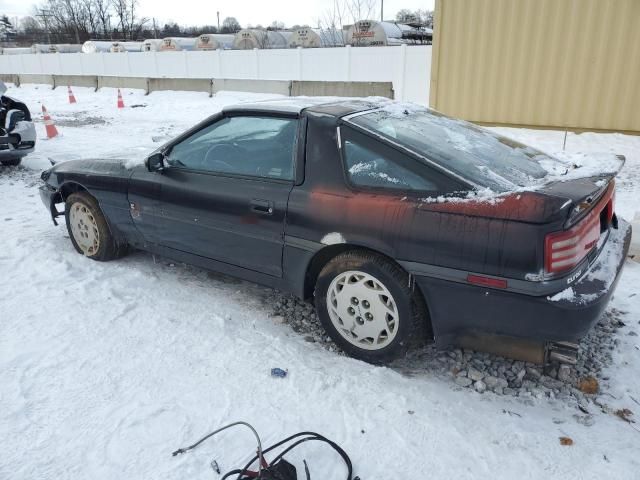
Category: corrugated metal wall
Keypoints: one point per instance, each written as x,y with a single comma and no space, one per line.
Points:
548,63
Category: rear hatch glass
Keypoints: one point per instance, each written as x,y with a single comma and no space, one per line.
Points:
479,156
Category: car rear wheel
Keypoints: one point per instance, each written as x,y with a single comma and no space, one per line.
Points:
366,304
11,162
88,229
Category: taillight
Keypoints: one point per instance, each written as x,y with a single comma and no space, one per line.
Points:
565,250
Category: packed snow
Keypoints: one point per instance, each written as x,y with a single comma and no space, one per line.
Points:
106,368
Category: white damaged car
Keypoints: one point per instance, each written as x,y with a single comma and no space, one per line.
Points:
17,132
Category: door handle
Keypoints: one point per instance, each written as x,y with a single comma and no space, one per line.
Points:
264,207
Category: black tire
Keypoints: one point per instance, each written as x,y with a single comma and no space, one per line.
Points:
413,321
108,248
11,162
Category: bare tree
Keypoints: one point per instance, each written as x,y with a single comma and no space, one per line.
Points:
130,25
230,25
276,25
362,9
334,17
103,13
342,14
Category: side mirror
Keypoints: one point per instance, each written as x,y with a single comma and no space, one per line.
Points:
155,162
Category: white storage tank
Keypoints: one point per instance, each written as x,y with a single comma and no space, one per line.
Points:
307,37
248,39
214,41
370,33
176,44
95,46
57,48
120,47
151,45
15,50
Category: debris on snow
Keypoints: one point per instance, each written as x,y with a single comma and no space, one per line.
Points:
279,373
566,441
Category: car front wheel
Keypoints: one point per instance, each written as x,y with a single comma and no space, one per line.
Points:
367,305
88,229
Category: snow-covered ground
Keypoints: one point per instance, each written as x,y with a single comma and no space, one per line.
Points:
106,368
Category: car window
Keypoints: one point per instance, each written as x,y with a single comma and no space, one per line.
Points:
243,145
371,164
474,153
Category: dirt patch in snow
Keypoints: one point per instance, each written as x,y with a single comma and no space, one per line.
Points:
79,120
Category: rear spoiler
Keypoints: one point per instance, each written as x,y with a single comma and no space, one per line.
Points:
604,165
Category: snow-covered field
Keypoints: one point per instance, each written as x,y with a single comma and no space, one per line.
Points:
106,368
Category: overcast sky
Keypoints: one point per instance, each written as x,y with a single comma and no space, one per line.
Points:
200,12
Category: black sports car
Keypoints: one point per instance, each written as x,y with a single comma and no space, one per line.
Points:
403,224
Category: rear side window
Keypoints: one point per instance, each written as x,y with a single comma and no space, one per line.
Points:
371,164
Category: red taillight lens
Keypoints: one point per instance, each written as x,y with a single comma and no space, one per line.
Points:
564,250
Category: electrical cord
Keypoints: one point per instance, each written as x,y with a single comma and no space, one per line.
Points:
255,433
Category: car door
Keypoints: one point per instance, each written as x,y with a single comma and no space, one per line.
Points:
225,190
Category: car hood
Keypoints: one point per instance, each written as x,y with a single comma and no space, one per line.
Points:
130,157
97,166
89,172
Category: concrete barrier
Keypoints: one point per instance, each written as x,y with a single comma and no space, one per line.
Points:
281,87
75,80
341,89
10,78
211,86
181,84
124,82
36,78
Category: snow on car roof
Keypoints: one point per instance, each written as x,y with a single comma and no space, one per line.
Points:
297,104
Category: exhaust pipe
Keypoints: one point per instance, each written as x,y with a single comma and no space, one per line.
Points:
521,349
563,352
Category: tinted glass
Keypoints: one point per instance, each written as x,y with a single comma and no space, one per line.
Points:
370,163
253,146
474,153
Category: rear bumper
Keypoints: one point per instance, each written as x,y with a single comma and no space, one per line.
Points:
458,309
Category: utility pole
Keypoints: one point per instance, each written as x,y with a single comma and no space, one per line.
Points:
45,15
218,13
382,10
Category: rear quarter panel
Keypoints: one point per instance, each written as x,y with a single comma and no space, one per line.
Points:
503,237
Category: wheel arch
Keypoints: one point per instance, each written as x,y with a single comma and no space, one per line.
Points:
72,186
329,252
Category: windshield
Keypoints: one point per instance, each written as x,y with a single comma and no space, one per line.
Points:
475,154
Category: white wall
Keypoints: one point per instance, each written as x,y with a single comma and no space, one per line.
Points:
408,67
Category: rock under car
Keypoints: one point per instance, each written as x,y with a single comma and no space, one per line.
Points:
402,224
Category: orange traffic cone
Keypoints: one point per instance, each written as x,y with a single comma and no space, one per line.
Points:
120,101
48,124
72,98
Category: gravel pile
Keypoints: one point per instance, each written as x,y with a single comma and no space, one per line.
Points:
484,372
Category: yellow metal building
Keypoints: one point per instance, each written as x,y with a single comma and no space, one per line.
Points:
546,63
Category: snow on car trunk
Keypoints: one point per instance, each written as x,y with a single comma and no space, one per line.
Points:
108,368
